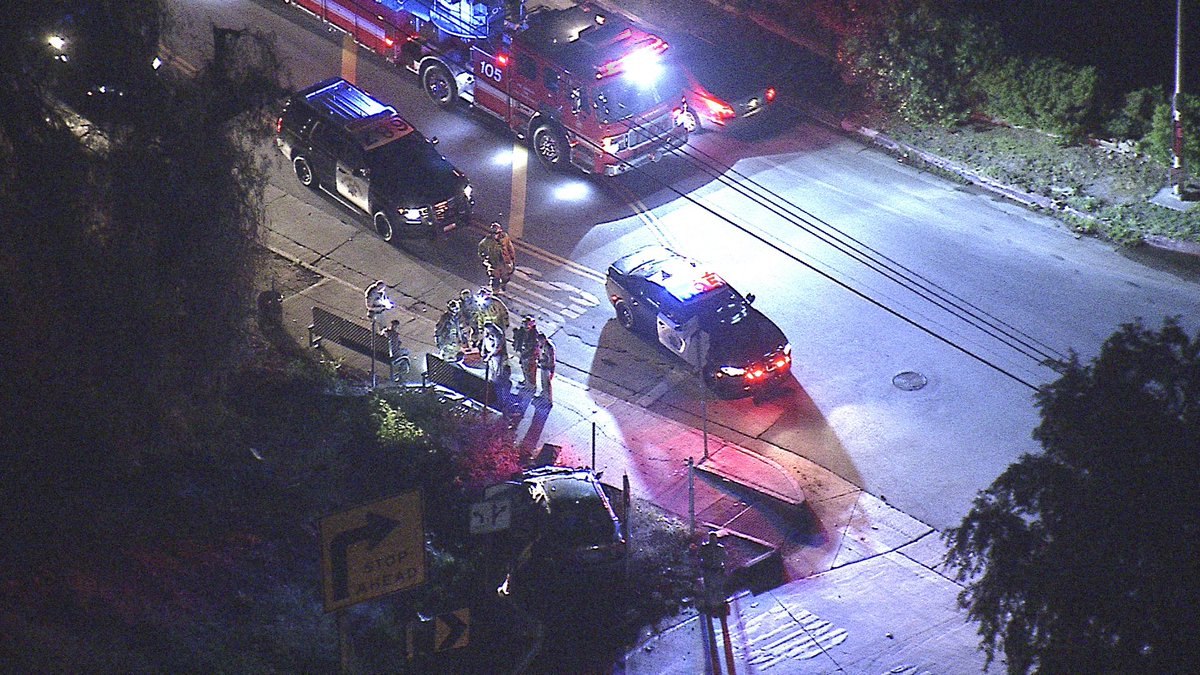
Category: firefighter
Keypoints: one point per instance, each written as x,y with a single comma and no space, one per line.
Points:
494,350
545,363
499,257
525,344
448,333
469,317
490,308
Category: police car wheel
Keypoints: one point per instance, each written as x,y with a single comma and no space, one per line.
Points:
550,145
624,315
439,84
304,172
383,225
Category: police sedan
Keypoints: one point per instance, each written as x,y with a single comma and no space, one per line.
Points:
699,317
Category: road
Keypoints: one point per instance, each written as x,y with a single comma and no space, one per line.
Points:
873,269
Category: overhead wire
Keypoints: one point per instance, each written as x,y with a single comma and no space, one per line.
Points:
874,259
1028,346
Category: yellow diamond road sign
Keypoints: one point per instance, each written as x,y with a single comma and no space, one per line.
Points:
373,550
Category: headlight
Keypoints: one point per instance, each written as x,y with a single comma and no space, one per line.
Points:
732,372
467,191
412,214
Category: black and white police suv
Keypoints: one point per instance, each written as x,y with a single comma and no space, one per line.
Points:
699,317
342,140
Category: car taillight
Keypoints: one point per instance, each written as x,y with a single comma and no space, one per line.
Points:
718,108
388,42
770,94
279,125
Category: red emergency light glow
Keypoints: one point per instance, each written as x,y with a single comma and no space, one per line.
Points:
770,94
687,288
502,60
388,42
719,109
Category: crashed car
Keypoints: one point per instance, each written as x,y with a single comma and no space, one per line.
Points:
563,519
699,317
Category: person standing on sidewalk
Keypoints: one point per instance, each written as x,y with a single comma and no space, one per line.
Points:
546,363
525,344
499,257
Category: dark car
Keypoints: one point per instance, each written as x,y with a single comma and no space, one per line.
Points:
564,519
724,85
342,140
699,317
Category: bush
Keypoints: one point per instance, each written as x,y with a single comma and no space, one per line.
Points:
919,59
1046,93
1158,142
1135,119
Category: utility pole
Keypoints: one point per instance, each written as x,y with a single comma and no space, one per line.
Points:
1177,175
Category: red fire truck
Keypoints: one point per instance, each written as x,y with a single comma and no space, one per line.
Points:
583,87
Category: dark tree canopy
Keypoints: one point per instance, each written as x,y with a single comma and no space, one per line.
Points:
125,266
1084,559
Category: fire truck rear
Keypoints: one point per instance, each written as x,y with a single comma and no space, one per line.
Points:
584,88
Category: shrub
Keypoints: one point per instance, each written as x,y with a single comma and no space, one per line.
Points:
1045,93
1135,119
918,58
1158,142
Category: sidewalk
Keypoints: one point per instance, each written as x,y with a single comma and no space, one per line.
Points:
824,528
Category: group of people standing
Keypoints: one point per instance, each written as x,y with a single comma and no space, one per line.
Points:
479,321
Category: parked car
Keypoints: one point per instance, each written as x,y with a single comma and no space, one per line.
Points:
699,317
724,86
344,141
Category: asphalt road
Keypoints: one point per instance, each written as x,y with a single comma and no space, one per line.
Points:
873,269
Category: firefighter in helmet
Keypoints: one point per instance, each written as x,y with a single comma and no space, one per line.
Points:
499,257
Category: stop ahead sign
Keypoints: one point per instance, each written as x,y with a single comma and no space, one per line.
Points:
373,550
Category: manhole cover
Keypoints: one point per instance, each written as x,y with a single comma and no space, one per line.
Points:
909,380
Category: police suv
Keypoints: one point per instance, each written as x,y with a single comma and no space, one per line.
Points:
700,318
342,140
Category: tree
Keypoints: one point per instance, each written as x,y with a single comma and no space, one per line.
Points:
126,275
1084,558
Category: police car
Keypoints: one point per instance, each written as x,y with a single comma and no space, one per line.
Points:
698,316
342,140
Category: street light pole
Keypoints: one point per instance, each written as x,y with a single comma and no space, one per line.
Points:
1176,115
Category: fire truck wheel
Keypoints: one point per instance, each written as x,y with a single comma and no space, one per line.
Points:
439,84
550,145
304,172
383,225
690,121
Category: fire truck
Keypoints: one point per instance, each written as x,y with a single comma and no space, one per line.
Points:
583,88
